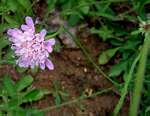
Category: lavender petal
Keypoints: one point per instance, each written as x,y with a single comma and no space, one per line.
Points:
49,64
29,21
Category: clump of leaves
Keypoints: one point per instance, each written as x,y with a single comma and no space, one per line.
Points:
103,32
125,42
58,93
15,94
11,15
12,12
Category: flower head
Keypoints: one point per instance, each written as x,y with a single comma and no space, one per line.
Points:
30,48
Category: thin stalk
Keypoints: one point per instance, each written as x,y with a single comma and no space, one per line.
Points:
139,77
55,34
65,103
75,100
90,59
125,89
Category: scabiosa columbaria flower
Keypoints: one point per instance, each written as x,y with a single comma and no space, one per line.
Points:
30,47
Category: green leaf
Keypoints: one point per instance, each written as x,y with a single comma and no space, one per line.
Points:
57,47
13,103
50,7
147,110
27,112
20,69
35,95
117,69
33,112
12,5
35,70
131,44
9,86
11,21
24,82
3,42
107,55
57,100
9,57
73,20
85,9
104,10
1,114
63,93
3,27
1,92
104,7
105,15
103,32
25,3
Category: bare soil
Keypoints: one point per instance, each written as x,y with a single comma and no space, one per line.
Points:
75,75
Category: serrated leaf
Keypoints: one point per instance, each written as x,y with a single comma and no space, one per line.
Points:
24,82
103,32
136,32
117,69
105,11
3,42
9,86
57,100
85,9
35,95
107,55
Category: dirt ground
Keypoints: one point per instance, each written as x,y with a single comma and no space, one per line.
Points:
75,75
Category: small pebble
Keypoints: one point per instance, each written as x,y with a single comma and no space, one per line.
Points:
85,70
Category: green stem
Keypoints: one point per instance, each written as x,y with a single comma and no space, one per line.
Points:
125,89
75,100
139,77
90,59
54,34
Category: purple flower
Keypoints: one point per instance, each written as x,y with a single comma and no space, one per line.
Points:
30,48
